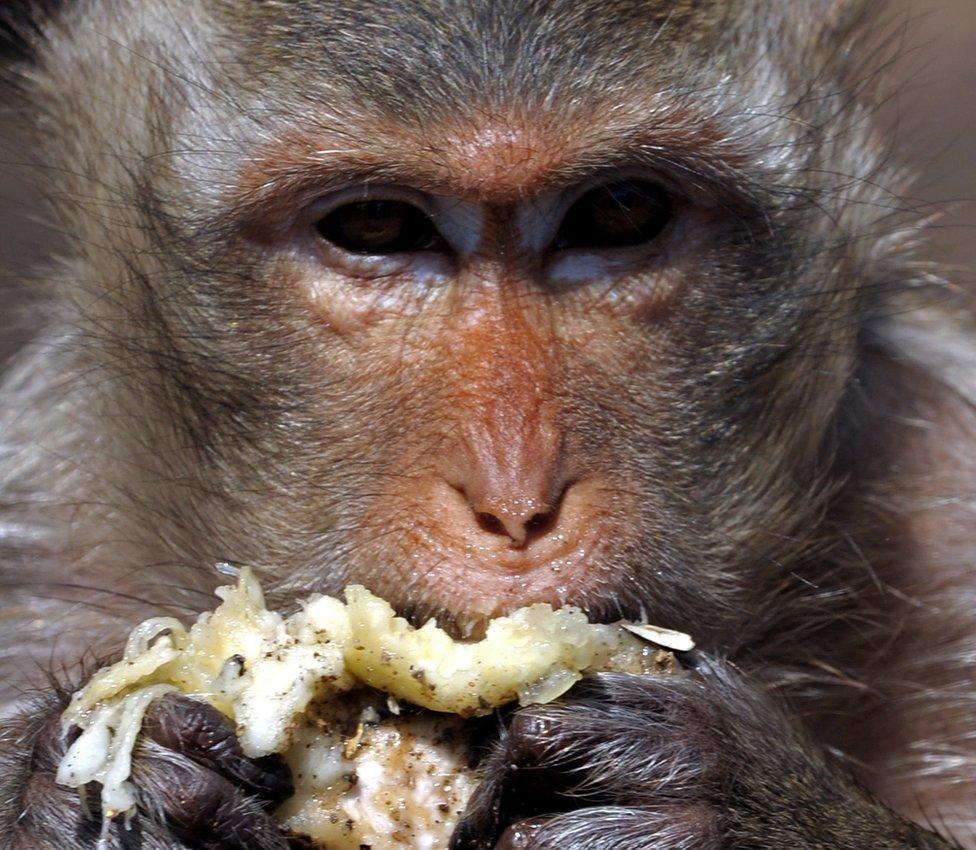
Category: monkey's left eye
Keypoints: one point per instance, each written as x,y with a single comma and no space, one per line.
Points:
380,227
618,215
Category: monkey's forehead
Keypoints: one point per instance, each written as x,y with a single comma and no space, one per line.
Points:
531,84
421,58
484,97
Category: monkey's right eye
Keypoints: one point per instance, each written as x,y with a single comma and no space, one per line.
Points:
380,227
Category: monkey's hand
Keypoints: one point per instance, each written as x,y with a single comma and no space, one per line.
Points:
194,786
699,762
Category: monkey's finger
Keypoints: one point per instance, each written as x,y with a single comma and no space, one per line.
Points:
199,805
616,828
55,818
616,740
553,757
202,734
515,783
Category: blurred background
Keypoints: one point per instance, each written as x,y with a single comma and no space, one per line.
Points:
931,118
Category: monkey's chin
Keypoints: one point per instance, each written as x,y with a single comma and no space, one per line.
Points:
323,688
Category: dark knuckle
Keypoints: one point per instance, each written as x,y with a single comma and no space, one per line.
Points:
201,799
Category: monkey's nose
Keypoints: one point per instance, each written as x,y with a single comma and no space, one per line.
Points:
509,473
522,521
518,503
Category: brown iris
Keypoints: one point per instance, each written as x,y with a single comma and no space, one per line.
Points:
380,227
617,215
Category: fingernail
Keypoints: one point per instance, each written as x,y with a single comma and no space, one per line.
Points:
530,735
520,836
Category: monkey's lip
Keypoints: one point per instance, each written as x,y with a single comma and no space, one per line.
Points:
477,581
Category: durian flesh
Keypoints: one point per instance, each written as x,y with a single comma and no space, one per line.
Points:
284,682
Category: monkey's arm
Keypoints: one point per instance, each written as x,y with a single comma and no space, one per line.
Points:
195,787
704,762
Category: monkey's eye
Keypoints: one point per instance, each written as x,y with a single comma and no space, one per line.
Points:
618,215
380,227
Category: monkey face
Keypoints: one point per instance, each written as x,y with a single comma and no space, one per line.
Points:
482,312
482,328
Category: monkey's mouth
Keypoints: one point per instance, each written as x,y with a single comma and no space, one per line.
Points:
463,574
473,586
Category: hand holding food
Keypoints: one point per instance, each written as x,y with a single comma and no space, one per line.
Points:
333,689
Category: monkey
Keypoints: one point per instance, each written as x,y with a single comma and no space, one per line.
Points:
610,303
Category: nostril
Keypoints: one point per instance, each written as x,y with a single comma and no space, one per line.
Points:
516,518
540,523
520,531
489,522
